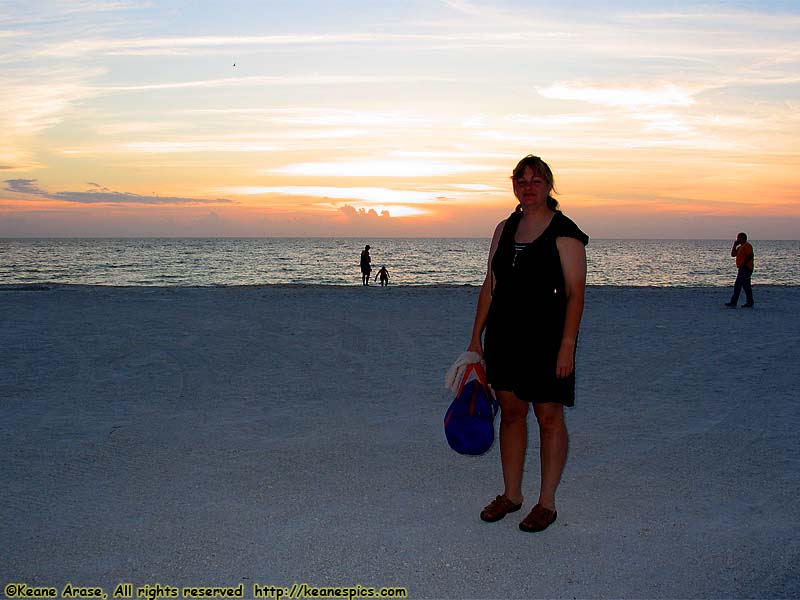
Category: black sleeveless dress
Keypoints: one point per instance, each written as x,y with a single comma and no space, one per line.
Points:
526,316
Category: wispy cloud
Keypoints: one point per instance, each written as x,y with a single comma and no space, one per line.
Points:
64,18
477,187
321,116
628,96
245,143
98,194
366,194
649,136
777,20
469,8
379,168
465,154
288,80
36,100
557,120
12,33
95,6
666,123
174,147
518,19
177,46
356,117
132,127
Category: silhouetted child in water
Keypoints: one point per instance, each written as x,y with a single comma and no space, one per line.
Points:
384,275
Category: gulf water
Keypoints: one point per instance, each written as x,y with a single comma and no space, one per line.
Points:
331,261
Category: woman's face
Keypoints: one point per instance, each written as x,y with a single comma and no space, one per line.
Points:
531,189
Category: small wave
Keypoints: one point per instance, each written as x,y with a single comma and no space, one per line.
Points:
26,287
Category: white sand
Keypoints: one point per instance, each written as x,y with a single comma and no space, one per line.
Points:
293,434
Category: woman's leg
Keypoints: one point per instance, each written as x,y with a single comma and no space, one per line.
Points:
553,451
513,442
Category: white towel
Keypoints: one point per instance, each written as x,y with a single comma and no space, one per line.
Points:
454,374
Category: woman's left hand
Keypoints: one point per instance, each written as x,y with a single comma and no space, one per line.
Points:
565,363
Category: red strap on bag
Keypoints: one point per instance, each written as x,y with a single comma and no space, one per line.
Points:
480,375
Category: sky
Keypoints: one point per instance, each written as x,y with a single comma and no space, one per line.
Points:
399,118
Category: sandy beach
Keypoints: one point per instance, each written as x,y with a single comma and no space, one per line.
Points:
274,435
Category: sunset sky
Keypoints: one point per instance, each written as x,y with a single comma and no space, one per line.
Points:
396,117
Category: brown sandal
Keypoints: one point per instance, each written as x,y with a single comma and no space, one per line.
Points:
499,508
539,519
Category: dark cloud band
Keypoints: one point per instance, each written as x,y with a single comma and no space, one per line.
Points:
101,195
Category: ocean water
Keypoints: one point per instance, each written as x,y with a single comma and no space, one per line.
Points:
330,261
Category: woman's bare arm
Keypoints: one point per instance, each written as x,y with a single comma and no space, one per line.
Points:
573,264
485,297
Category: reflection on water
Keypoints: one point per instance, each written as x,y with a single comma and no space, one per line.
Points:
330,261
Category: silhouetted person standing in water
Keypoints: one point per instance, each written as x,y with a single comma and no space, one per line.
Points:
366,268
384,275
742,251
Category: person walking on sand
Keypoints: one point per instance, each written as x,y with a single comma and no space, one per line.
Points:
384,275
530,306
366,267
742,251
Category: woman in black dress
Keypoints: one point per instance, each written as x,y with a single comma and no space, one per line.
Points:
530,306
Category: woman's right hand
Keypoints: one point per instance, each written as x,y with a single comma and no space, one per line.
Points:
475,346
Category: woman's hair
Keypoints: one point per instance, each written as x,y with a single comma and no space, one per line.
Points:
540,168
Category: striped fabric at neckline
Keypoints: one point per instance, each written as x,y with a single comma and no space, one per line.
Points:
519,247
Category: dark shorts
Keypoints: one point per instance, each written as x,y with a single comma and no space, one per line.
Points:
560,391
533,380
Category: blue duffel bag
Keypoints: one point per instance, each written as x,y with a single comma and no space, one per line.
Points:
469,422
